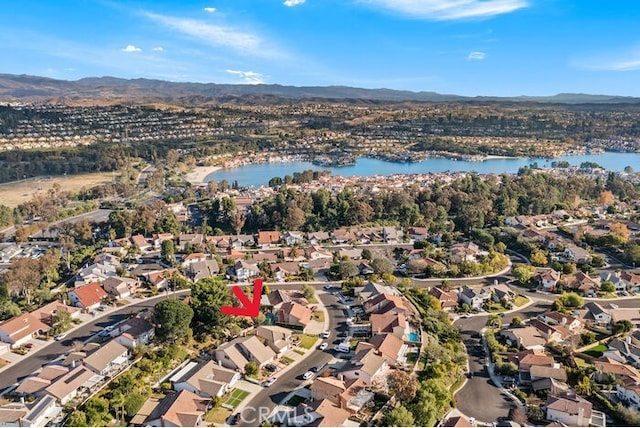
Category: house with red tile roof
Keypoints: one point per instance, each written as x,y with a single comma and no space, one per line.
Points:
180,409
88,296
294,314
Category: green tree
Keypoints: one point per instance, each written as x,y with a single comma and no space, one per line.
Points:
523,273
571,300
584,387
539,259
133,402
308,291
251,369
607,287
348,269
622,326
168,252
404,385
399,417
77,418
173,318
587,337
382,265
207,296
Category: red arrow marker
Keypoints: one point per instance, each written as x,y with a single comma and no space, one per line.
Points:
249,308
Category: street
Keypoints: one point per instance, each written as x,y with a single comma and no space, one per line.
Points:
264,403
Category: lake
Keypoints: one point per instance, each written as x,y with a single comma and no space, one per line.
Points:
260,174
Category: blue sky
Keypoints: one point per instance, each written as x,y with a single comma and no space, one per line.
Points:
467,47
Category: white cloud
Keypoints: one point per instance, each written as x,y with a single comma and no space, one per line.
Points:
618,60
291,3
131,48
158,49
444,10
476,56
210,9
248,77
218,35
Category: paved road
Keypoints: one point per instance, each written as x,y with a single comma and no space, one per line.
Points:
264,402
33,362
479,398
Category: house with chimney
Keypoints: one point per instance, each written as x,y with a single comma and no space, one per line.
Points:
87,297
20,329
570,410
547,279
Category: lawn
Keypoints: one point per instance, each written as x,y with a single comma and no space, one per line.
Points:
581,363
295,400
520,301
286,361
217,415
318,316
236,398
307,341
312,299
596,351
412,357
299,352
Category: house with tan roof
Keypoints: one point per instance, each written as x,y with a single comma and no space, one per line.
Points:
569,322
47,313
141,242
295,315
108,359
457,421
20,329
180,409
278,338
284,270
524,337
41,412
120,288
389,322
547,279
448,299
206,379
88,296
368,366
236,353
245,270
11,414
384,302
319,413
582,283
570,410
193,239
552,333
66,388
391,347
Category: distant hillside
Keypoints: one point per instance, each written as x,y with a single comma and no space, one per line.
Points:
43,89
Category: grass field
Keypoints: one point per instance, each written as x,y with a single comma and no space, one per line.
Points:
520,300
236,398
14,193
318,316
596,351
307,341
217,415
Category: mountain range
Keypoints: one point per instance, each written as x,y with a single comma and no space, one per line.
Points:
111,89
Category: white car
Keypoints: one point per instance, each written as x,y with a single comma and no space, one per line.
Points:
323,346
308,375
325,334
61,336
267,383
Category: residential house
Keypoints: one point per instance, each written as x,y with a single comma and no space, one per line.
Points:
629,314
569,322
576,254
190,239
350,253
569,410
384,302
41,412
368,366
203,269
206,379
294,314
457,421
268,238
623,351
189,259
88,296
389,322
160,279
96,272
20,329
134,332
278,338
141,242
108,359
316,238
392,235
245,270
342,236
77,381
474,297
32,385
628,392
320,413
11,414
293,238
372,289
328,388
180,409
465,252
318,253
284,270
448,299
597,315
552,333
264,257
349,394
390,347
548,279
582,283
120,288
47,313
501,292
524,337
238,352
159,238
418,233
632,280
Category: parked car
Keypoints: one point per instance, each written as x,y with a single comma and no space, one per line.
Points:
61,336
234,419
323,346
308,375
270,367
325,334
267,383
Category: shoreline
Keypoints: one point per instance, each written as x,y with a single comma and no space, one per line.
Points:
198,174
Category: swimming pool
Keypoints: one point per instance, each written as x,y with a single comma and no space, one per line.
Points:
413,337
